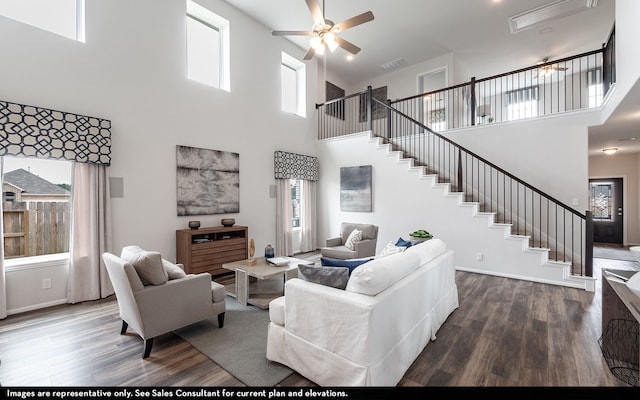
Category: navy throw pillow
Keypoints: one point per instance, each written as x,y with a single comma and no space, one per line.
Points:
351,264
403,243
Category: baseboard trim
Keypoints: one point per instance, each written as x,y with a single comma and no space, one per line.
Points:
37,306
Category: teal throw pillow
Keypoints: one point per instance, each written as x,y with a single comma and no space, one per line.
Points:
403,243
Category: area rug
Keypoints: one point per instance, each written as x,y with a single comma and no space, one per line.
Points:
240,346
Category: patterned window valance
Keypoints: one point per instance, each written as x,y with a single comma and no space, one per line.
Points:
30,131
295,166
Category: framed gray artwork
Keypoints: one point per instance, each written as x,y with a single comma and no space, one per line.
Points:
355,188
208,181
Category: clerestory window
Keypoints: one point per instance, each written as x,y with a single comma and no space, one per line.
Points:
207,47
293,78
63,17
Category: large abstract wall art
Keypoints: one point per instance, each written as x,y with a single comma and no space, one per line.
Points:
208,181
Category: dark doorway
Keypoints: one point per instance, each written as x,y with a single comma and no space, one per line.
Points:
605,197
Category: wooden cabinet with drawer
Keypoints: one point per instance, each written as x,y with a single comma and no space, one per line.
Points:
206,249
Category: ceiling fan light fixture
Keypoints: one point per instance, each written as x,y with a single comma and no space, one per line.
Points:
316,43
330,39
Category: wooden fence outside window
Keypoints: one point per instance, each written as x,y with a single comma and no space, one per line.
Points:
36,228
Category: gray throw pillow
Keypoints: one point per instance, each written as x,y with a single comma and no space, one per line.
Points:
148,265
335,277
173,271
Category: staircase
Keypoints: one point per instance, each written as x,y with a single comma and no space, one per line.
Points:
496,223
460,223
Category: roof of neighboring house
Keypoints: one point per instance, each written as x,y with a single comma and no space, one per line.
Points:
32,184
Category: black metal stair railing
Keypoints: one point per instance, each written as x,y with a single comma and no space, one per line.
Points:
547,222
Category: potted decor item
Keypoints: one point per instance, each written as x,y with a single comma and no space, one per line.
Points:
420,236
252,250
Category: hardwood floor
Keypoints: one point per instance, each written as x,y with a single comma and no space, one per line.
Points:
505,333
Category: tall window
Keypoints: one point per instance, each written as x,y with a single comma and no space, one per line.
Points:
296,203
207,47
522,103
293,81
36,208
63,17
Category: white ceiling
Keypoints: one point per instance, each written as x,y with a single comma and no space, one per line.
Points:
475,31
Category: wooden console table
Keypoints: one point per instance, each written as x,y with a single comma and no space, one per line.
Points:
206,249
620,308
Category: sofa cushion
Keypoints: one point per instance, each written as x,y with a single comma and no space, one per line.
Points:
173,271
354,236
377,275
350,264
428,250
148,265
338,252
335,277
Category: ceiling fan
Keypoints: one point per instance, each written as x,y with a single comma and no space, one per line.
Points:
546,69
324,31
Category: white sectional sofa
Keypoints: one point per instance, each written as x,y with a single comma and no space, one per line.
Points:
370,333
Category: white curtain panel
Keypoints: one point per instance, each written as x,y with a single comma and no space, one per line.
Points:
3,287
308,241
90,233
284,231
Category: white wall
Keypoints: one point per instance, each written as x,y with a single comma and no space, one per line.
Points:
627,55
403,82
131,70
549,153
626,166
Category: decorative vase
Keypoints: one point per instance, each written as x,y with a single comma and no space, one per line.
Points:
269,252
194,224
227,222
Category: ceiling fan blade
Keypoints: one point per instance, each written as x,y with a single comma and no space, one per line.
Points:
348,46
309,54
293,33
316,12
354,21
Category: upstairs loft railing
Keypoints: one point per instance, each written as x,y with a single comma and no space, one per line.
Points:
569,84
412,125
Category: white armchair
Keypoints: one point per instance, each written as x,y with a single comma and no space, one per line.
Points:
160,307
366,247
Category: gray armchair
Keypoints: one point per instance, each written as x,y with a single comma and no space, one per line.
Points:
159,308
335,247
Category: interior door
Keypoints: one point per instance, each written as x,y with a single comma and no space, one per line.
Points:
606,204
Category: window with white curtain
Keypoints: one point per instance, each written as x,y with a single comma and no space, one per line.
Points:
296,203
62,17
207,47
522,103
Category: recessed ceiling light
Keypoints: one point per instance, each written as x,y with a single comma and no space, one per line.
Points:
349,57
610,150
